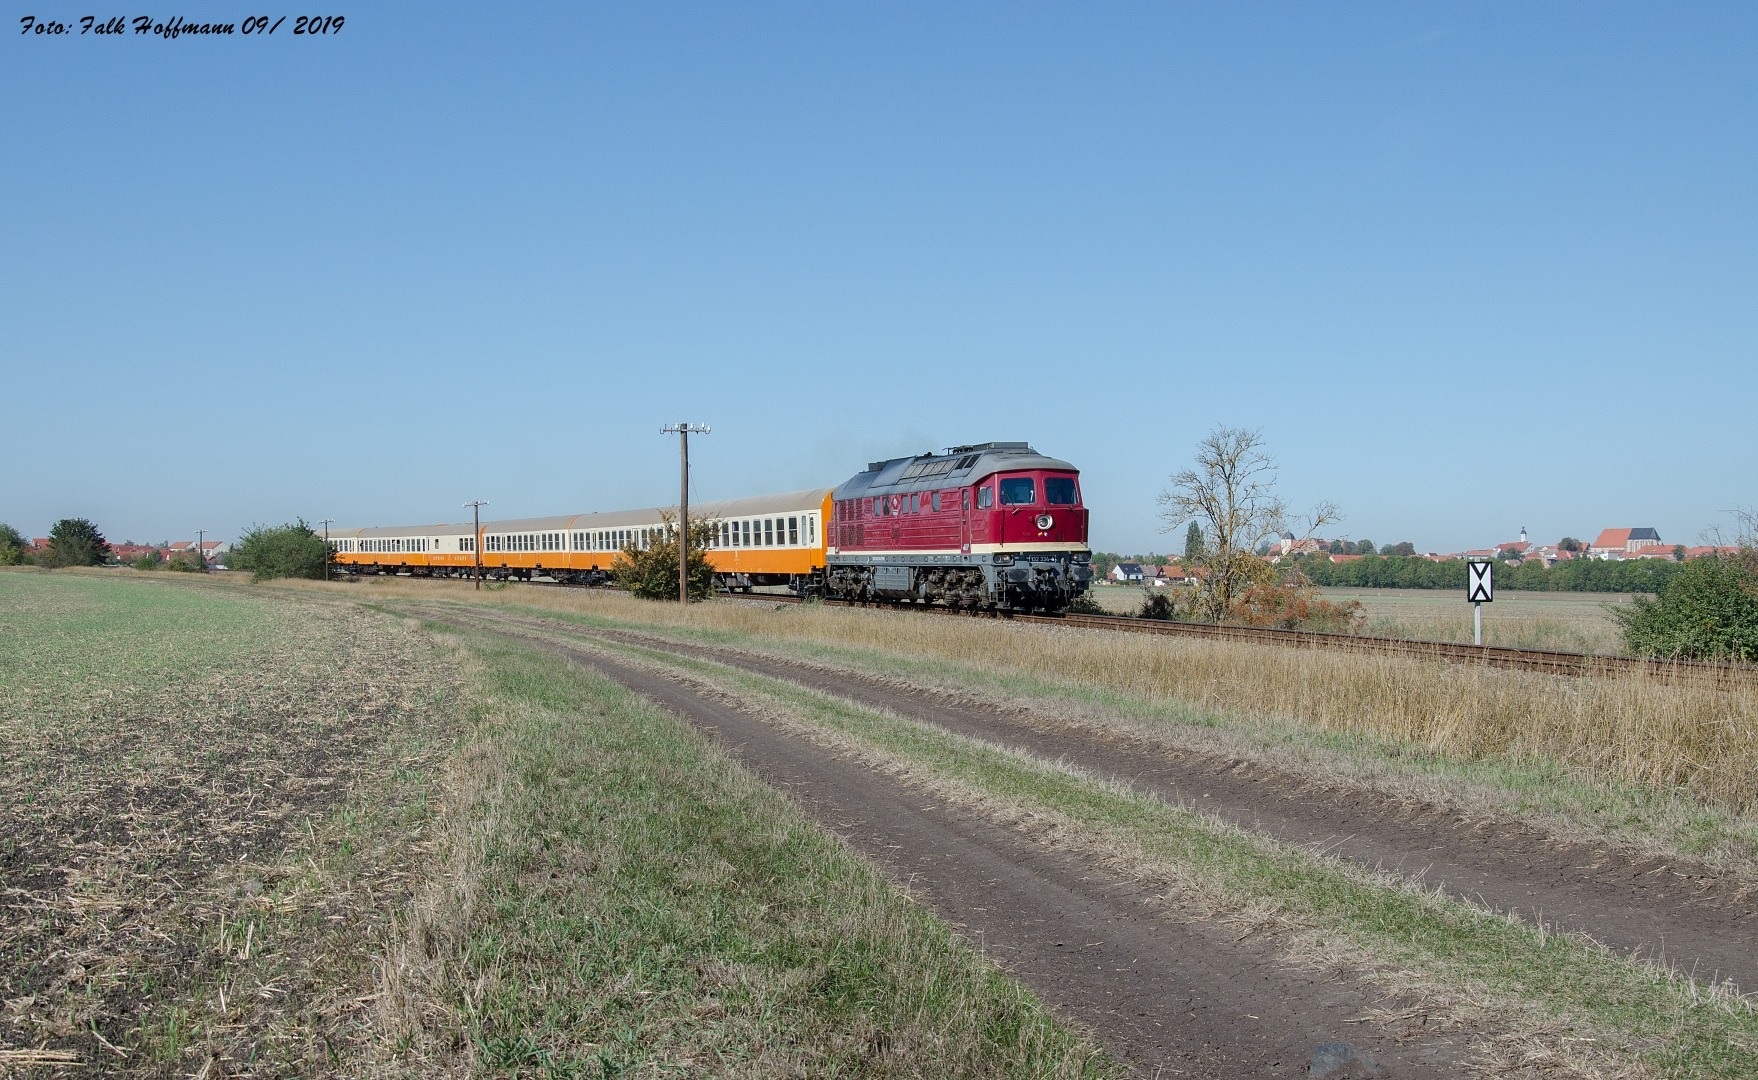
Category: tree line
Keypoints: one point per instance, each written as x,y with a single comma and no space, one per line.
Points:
1573,575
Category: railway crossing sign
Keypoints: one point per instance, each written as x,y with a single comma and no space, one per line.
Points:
1479,590
1479,583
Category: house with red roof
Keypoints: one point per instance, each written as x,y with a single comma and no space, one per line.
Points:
1614,543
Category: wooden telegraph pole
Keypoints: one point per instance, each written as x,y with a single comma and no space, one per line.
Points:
476,537
682,430
326,524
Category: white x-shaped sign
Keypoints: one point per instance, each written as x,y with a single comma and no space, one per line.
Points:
1479,585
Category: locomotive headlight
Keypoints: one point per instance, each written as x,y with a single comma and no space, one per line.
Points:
1045,521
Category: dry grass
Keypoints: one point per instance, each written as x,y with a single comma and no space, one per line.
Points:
207,800
1670,734
1568,622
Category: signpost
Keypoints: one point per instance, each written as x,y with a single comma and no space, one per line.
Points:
1479,590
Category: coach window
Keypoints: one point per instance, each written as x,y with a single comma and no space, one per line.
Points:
985,498
793,530
812,527
768,532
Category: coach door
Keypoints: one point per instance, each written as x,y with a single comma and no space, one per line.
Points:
964,521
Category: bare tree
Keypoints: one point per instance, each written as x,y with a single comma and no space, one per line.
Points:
1743,533
1231,493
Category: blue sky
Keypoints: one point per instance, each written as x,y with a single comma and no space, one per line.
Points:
1468,267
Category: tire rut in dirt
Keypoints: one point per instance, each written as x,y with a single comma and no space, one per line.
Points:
1686,915
1155,993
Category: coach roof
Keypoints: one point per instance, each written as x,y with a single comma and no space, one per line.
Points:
958,466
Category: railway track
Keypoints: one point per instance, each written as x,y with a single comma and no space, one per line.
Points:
1541,660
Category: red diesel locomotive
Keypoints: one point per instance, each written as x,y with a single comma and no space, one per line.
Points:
996,525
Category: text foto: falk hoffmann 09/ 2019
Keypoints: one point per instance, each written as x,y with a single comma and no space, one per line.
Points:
177,26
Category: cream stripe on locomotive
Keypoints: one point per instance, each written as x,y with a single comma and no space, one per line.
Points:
976,549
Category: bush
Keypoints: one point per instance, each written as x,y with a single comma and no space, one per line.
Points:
11,546
280,551
187,561
1293,605
75,542
1162,607
1708,610
653,573
148,559
1084,604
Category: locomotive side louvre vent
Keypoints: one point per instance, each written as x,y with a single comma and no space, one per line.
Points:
928,468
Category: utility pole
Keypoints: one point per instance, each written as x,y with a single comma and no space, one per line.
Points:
682,430
201,552
476,537
326,524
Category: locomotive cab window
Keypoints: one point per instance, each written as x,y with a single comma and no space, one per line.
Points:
1018,491
985,498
